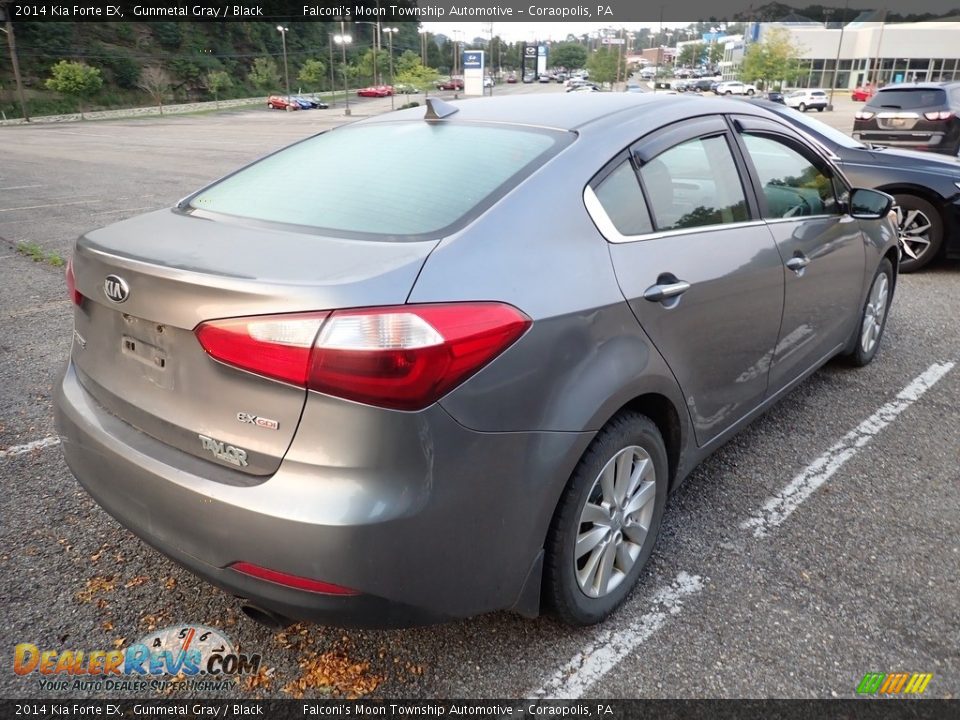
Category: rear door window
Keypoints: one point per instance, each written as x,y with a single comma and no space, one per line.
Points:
389,180
693,184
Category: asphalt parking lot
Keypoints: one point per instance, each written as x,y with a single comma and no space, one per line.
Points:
820,544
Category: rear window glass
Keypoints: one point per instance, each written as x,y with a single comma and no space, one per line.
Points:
910,99
385,179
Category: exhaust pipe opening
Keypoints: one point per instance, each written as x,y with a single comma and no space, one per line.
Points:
265,617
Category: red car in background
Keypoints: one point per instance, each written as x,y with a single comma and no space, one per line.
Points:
450,84
376,91
862,93
278,102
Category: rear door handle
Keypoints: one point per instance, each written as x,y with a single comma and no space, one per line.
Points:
665,291
798,263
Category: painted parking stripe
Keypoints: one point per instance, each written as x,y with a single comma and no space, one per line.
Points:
616,641
29,447
610,646
781,506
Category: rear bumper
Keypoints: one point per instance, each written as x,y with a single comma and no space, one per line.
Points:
918,140
425,519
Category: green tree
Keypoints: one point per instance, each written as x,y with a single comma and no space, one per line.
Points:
264,75
773,59
312,74
692,54
422,78
409,60
602,65
568,55
716,53
365,65
217,82
75,78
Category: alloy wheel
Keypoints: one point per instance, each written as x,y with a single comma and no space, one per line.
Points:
874,313
615,521
914,227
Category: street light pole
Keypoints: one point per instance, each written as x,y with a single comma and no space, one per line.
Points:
423,45
286,73
342,39
836,62
390,31
12,43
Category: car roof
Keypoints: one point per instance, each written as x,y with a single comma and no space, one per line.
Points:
566,111
919,86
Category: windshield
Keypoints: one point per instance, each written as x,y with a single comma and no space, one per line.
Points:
393,179
822,129
909,98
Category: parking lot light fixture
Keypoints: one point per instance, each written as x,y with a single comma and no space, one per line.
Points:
390,32
286,73
343,40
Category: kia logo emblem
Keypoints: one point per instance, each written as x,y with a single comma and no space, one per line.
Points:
116,289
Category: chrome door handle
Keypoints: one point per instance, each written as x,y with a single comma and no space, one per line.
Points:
659,293
798,263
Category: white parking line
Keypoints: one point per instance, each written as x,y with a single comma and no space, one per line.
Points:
19,187
29,447
614,643
779,507
611,645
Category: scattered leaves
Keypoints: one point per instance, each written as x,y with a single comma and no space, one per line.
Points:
170,583
137,581
333,670
118,643
107,625
262,679
95,586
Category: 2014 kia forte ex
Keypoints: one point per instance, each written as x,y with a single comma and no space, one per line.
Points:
461,369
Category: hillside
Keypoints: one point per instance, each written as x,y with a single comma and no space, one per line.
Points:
185,51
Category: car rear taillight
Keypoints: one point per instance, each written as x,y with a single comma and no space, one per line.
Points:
292,581
864,114
75,296
276,346
938,115
404,357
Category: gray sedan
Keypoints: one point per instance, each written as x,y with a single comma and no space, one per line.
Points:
400,392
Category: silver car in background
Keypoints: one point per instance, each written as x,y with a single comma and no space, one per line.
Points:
399,391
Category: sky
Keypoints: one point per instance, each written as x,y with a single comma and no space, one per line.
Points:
528,31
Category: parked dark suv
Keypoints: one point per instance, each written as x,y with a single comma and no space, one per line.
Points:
922,116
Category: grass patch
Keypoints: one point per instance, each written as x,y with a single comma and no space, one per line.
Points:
38,254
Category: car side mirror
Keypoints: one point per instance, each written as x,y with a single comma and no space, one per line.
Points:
870,204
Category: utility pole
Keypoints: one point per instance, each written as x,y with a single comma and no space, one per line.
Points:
12,44
390,31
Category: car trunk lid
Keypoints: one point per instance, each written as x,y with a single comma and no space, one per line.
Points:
149,281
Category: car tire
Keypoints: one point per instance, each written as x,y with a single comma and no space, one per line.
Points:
750,93
873,316
584,590
728,92
802,107
820,108
919,248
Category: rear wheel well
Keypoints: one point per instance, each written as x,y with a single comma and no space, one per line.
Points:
664,415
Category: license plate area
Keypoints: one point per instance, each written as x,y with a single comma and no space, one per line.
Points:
141,342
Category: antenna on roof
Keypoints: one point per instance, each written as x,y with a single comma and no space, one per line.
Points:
438,109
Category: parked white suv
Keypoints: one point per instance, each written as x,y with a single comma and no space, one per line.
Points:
803,99
735,87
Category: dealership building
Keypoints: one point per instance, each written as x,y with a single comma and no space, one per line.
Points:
868,52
